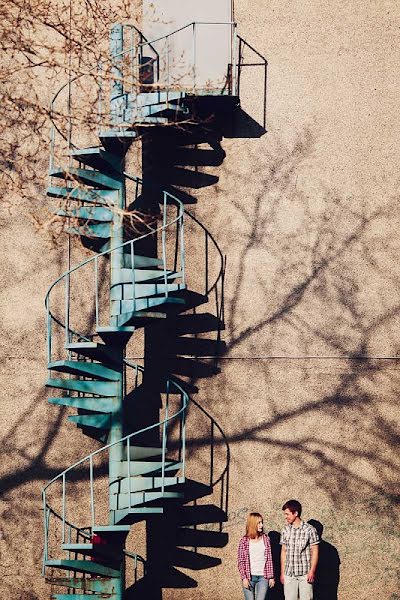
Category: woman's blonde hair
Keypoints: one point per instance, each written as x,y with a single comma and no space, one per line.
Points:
251,525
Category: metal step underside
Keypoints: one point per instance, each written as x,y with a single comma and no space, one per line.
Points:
102,197
142,484
126,291
92,230
100,388
86,584
124,308
122,501
97,421
85,369
101,405
120,468
88,177
145,275
98,158
87,213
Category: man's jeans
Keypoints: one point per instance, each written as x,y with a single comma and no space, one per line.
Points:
298,587
258,588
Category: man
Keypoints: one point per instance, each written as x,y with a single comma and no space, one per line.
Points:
299,554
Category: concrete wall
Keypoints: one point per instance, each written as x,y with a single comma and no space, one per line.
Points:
307,397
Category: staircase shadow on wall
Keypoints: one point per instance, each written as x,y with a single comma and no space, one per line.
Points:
174,538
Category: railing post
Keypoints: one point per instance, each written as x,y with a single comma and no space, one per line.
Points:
67,307
49,332
133,275
96,285
184,401
46,533
128,450
91,491
234,62
163,243
194,56
63,508
164,439
182,249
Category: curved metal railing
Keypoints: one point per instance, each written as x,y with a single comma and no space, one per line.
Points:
88,460
175,261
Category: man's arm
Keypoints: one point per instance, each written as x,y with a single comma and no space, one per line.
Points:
314,561
283,561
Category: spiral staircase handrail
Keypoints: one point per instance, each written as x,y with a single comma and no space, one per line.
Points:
125,438
96,257
96,67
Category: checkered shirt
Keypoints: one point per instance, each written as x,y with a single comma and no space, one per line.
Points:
244,558
298,554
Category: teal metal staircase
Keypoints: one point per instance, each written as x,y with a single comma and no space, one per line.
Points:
94,309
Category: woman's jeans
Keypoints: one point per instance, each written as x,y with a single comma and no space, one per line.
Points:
258,588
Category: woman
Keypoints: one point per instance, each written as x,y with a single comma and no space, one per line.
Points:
255,560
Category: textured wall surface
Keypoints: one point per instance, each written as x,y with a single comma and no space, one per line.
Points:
307,397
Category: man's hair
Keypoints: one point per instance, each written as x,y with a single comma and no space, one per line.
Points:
293,506
251,525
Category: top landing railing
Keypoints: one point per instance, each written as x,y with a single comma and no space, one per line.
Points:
182,61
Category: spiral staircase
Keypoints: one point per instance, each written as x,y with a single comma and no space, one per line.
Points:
135,279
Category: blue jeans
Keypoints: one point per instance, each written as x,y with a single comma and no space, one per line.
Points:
258,588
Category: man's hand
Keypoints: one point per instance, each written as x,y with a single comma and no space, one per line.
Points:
271,583
282,578
246,584
311,576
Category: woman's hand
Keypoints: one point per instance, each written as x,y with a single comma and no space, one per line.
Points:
271,582
246,584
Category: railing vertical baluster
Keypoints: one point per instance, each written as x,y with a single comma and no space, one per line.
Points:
49,332
212,453
182,222
184,401
133,276
67,307
96,286
234,61
206,253
194,56
164,440
163,243
46,533
63,508
91,490
128,450
168,68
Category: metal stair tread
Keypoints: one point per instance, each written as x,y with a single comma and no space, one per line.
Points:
136,499
134,307
125,291
97,420
100,388
120,468
97,157
92,196
88,177
86,369
92,230
83,596
95,404
125,275
87,213
91,548
83,566
142,483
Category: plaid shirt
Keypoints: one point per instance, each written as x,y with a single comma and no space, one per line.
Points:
244,558
298,554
